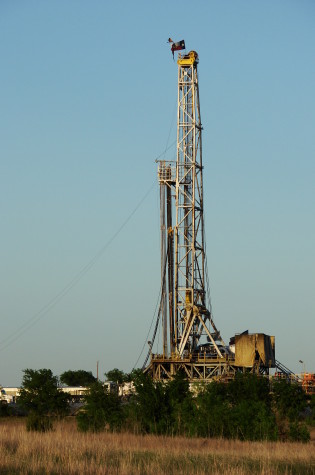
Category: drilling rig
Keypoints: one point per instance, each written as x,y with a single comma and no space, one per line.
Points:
191,340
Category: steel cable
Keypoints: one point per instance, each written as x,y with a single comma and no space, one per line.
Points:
15,335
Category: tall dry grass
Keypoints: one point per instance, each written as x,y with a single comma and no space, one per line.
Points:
67,451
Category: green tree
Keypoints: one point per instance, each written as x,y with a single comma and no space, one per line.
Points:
41,399
77,378
102,410
180,406
148,407
249,387
133,374
290,402
252,420
116,375
212,411
251,416
161,408
240,409
289,399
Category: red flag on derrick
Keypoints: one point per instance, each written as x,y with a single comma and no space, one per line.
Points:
177,46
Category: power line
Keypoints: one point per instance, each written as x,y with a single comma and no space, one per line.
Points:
146,339
160,297
10,339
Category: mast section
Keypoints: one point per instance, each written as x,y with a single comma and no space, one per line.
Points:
189,233
183,301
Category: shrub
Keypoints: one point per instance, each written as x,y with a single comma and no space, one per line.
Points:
102,410
239,409
38,423
289,400
4,409
299,433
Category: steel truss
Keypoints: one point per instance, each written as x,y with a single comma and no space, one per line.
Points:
191,341
199,369
186,320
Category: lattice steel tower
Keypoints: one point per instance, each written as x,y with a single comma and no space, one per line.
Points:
187,323
191,341
190,310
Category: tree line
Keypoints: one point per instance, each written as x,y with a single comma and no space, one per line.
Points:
248,407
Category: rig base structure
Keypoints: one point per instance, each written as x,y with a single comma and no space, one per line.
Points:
200,370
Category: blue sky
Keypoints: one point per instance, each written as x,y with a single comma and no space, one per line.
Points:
88,101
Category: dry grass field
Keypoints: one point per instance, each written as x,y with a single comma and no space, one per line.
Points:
66,451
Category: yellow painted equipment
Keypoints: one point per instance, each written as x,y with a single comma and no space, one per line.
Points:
188,59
